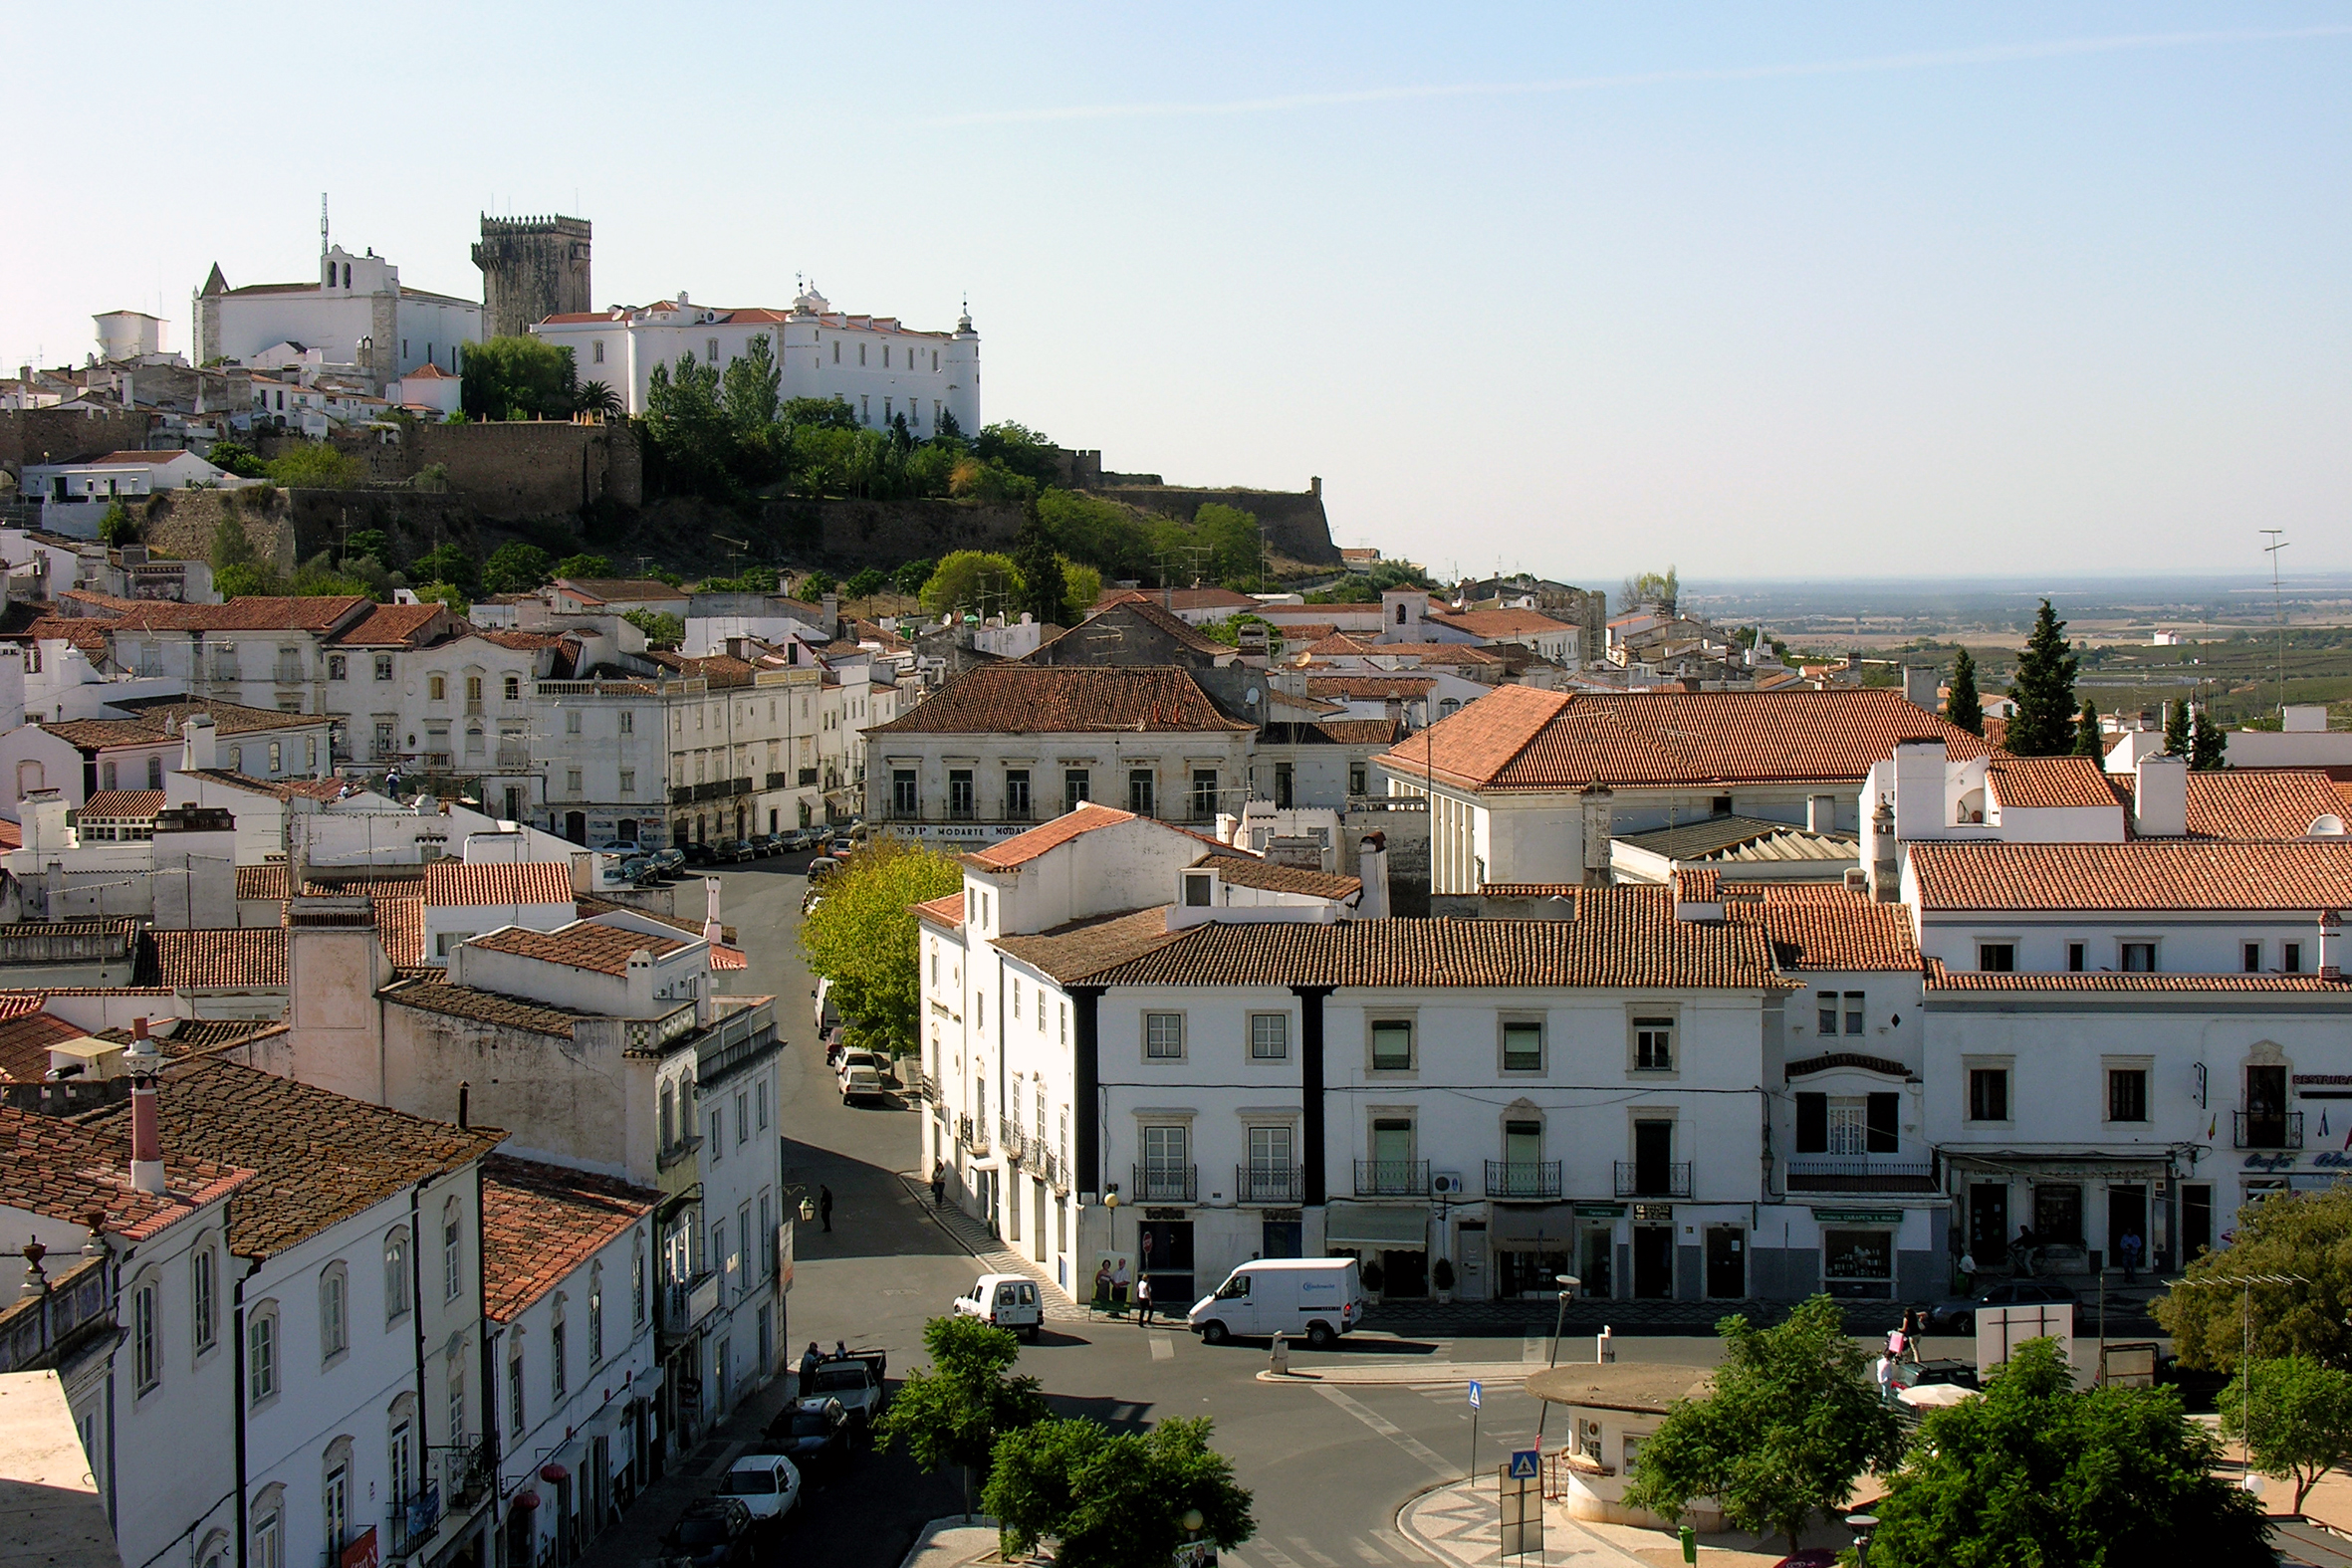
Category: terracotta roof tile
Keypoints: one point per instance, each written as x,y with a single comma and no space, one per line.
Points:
1332,732
123,804
948,911
1081,946
275,789
1520,738
159,725
2039,782
246,613
1043,699
1021,849
434,995
252,955
1826,926
392,627
449,884
1500,623
540,1222
591,906
1272,878
1180,598
1939,979
255,883
25,1039
319,1158
605,591
63,1170
581,945
1370,688
399,926
2260,803
2145,874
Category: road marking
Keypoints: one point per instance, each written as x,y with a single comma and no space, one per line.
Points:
1402,1547
1273,1555
1308,1547
1364,1550
1391,1430
1162,1348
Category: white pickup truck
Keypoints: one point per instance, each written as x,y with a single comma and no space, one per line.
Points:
856,1379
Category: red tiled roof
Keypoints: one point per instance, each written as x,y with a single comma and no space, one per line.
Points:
605,591
1044,699
321,613
1520,738
1826,926
275,789
2153,874
1941,979
265,881
25,1038
2049,783
66,1170
2278,802
1021,849
948,911
253,955
139,459
160,723
1499,622
399,926
390,626
581,945
1180,598
88,636
133,805
542,1222
1370,688
431,993
1331,732
1242,871
449,884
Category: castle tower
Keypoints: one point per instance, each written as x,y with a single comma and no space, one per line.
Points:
532,269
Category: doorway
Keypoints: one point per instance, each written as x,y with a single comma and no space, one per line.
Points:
1653,1263
2127,1215
1038,1230
1404,1274
2057,1214
2265,1109
575,827
1596,1250
1470,1260
1989,1222
1727,1262
1653,1158
1163,1250
1280,1238
2197,1222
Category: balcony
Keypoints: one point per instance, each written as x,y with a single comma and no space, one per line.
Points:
2267,1129
1854,1172
1392,1177
681,794
973,1135
409,1525
686,1302
1269,1183
807,778
1011,1140
927,1085
775,781
1057,1173
1525,1179
1653,1177
1166,1184
470,1474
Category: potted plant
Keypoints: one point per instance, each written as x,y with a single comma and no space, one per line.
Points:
1441,1275
1373,1279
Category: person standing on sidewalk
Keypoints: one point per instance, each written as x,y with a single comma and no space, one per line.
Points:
939,1184
1143,1300
2129,1247
809,1360
824,1206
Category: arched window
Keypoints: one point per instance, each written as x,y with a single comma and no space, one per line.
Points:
596,1314
400,1450
669,1113
269,1527
396,1294
1400,613
335,1495
637,1279
146,1334
335,1328
204,1296
261,1354
452,1250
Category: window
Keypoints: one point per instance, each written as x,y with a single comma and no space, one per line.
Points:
334,1335
596,1314
637,1281
473,688
395,1276
514,1393
2139,958
1165,1156
1139,782
203,1265
959,794
596,351
763,1104
269,1540
1826,1011
2076,958
572,783
628,721
155,773
1853,1012
146,1351
456,1405
1163,1035
2127,1094
903,798
1653,1044
2253,958
571,721
452,1253
1204,794
1017,795
1270,1163
1393,1045
1858,1262
261,1354
1523,1047
1997,957
628,781
1358,779
555,1358
437,686
1076,789
277,758
1269,1036
669,1104
718,1142
713,346
2290,958
336,1497
338,667
383,666
743,1122
1988,1095
403,1464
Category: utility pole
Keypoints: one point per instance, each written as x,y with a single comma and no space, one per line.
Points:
2279,610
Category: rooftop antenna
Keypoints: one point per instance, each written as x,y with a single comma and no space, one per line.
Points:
321,223
2279,610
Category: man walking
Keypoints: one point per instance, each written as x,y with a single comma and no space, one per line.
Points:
939,1184
2129,1247
809,1360
824,1206
1143,1300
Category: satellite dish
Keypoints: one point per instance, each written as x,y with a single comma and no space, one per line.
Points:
1251,696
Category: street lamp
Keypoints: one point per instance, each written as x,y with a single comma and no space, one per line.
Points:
1864,1525
1568,1284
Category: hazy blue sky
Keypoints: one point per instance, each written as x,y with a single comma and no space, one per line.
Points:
1759,291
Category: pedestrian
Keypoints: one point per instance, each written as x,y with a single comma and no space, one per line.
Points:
1967,1274
809,1360
1119,1289
1143,1299
1897,1339
2023,1250
1915,1326
2130,1247
939,1184
1103,1285
840,1350
1886,1380
824,1206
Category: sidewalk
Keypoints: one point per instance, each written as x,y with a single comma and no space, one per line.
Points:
972,1236
951,1543
1420,1373
2127,1315
636,1538
1462,1523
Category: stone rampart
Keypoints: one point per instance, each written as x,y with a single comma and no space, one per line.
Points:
181,524
65,435
1294,519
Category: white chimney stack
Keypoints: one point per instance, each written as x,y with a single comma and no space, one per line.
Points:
2160,796
146,1132
712,932
1371,866
198,749
2331,945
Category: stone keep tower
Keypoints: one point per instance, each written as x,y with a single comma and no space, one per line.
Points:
532,269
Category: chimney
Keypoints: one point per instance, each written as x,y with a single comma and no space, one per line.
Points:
1226,824
1599,828
146,1133
198,750
1372,865
44,817
2160,796
712,932
1885,878
2331,949
1698,894
831,607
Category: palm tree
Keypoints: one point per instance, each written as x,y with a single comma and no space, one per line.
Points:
599,398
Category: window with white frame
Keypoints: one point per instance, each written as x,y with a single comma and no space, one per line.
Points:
204,1297
1523,1045
1163,1035
1269,1036
335,1333
261,1354
1653,1042
452,1251
395,1276
1393,1044
146,1349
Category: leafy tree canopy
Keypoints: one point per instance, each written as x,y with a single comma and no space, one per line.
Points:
2176,727
519,379
451,565
1794,1419
1081,586
236,458
373,542
751,579
2299,1414
1043,594
578,566
116,526
2035,1473
313,465
1963,707
910,578
2089,739
954,1411
1020,450
2298,1234
2209,744
862,937
816,585
867,583
1113,1500
515,568
1662,588
972,579
661,628
230,548
2044,723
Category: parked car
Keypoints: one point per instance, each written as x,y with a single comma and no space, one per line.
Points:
797,839
1321,1296
669,862
862,1083
632,869
700,854
768,1484
1959,1317
1941,1370
854,1060
619,847
737,850
822,867
713,1532
1004,1301
815,1433
854,1382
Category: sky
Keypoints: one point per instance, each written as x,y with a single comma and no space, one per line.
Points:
1758,292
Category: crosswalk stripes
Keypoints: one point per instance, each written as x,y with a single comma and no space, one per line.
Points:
1384,1549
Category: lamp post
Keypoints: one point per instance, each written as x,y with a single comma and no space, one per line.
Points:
1568,1284
2245,1359
1864,1525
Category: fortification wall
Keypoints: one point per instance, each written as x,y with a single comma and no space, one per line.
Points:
1295,522
885,534
59,436
505,471
181,524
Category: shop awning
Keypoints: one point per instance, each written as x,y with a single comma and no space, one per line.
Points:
1530,1227
1368,1224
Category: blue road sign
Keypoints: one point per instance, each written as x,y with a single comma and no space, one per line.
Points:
1522,1464
1474,1392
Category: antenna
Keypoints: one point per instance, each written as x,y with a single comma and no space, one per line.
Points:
2279,610
321,223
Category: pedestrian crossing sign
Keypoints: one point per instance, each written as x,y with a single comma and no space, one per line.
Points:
1522,1464
1475,1392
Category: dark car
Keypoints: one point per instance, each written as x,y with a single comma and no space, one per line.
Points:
1959,1317
814,1434
714,1532
1927,1374
669,862
701,855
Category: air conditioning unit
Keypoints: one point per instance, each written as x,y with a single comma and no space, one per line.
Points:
1445,1184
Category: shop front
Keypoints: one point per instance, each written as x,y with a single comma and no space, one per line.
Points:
1395,1237
1532,1245
2078,1207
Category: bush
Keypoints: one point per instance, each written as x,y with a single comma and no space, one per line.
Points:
433,477
260,500
448,564
515,568
661,630
576,566
371,542
1441,1273
236,458
1373,1278
116,528
313,465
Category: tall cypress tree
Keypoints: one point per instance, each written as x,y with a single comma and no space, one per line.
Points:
2176,727
2044,725
2207,742
1963,708
2088,739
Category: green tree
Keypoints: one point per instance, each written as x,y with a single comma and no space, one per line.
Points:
867,583
1794,1417
244,580
236,458
2089,739
751,579
2176,727
1661,588
2300,1417
661,628
2209,744
515,568
519,379
313,465
446,594
1043,594
910,578
1113,1500
749,390
686,421
1019,450
2305,1235
817,413
368,542
993,483
2043,724
972,579
2036,1474
1962,706
116,526
451,565
954,1411
816,585
862,938
579,566
230,548
1081,586
1230,536
599,398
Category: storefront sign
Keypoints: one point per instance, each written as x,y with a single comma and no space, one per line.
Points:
361,1552
1652,1213
2285,1161
2336,1078
1600,1210
1164,1214
1858,1215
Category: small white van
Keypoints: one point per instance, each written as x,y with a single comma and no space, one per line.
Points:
1321,1297
1004,1301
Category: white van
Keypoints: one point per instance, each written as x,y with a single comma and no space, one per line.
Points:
1321,1297
1004,1301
